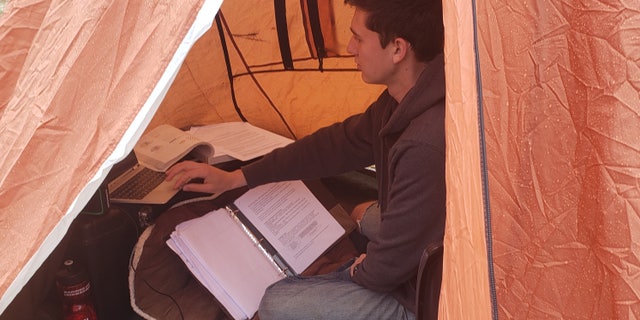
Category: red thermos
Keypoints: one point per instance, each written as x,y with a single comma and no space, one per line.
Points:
75,290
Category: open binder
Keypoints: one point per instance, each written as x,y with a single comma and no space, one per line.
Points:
268,233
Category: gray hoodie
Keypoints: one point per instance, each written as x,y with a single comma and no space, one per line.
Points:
406,143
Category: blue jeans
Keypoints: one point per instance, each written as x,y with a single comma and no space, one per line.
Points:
328,296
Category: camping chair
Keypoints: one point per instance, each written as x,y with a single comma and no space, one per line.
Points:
429,280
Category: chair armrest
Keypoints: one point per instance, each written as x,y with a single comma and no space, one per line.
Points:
429,281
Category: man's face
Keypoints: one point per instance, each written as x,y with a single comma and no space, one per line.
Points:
373,61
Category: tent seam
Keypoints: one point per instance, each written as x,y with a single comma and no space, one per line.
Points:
483,166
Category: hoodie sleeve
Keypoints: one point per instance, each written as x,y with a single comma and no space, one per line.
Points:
332,150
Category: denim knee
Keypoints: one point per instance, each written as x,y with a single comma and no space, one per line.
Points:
327,296
267,307
276,303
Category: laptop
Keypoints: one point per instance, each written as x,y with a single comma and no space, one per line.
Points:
142,179
141,185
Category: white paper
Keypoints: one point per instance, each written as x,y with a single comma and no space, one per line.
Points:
228,262
292,219
225,260
240,140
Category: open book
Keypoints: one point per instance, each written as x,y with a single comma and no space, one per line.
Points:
238,140
270,232
163,146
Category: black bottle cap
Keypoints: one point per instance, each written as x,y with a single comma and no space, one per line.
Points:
71,273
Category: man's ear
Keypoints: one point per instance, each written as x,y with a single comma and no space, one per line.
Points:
401,48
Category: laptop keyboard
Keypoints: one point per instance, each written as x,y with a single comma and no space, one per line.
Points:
139,185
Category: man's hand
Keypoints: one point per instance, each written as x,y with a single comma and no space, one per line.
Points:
215,180
352,269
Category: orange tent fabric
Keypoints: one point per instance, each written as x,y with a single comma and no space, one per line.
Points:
74,78
543,163
559,125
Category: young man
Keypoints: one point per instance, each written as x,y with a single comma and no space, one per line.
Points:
398,44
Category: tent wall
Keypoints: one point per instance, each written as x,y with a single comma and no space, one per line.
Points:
292,101
74,76
561,130
465,292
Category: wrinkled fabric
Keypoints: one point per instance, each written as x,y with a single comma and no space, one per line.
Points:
560,124
74,75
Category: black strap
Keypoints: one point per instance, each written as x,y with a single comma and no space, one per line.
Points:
280,10
316,30
225,50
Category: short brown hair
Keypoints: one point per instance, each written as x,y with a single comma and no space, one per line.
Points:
417,21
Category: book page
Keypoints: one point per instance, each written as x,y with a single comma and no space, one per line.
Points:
225,260
163,146
240,140
292,219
